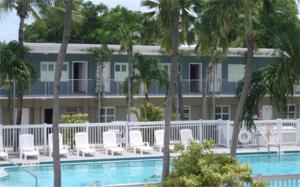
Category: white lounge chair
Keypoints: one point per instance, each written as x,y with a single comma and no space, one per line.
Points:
136,142
27,148
110,143
159,140
186,137
82,144
63,149
3,154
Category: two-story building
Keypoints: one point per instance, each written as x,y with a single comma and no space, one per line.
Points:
77,92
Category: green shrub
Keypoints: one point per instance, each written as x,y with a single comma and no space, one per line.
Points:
148,112
74,118
200,167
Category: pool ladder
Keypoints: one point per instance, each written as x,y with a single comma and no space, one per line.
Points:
25,170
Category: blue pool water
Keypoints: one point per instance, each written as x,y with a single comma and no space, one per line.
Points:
81,174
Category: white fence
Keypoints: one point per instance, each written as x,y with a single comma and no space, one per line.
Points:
291,180
286,131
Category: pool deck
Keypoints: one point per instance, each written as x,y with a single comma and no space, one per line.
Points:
130,155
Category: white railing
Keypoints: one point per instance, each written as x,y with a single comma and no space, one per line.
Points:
220,132
291,180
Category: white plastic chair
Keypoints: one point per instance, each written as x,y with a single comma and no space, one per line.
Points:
110,143
159,140
3,154
27,148
186,137
63,149
82,144
136,142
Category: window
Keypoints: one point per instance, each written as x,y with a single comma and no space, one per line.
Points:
72,110
121,71
222,112
48,71
236,72
186,112
290,112
107,114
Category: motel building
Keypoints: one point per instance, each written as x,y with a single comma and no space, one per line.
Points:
77,94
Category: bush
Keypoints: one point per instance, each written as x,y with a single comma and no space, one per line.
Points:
199,166
148,112
74,118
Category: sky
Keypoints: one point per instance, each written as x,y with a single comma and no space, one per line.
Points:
9,22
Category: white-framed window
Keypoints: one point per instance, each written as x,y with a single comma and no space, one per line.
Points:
107,114
290,111
222,112
236,72
186,112
48,71
165,67
72,110
121,71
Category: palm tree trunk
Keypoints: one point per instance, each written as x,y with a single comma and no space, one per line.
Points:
207,83
20,89
247,81
19,111
179,94
171,92
98,89
21,29
129,81
56,88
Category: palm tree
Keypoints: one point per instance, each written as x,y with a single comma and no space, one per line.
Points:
57,76
146,71
102,55
213,25
24,8
278,79
129,35
169,16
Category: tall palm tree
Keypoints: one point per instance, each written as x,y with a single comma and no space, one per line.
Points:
170,15
102,55
56,83
214,23
278,79
129,35
24,8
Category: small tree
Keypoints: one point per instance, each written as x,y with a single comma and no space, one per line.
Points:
199,166
148,112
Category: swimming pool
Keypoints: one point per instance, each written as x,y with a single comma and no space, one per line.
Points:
80,174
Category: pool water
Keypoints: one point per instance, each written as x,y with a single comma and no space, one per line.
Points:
272,164
81,174
86,174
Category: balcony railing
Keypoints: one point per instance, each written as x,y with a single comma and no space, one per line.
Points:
86,87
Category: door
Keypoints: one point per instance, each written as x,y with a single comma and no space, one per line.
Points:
267,112
79,77
48,112
195,78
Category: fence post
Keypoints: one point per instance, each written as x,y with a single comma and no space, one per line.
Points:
220,129
45,136
228,134
127,133
298,131
200,131
1,135
279,130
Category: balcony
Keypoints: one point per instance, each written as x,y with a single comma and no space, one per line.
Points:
86,87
